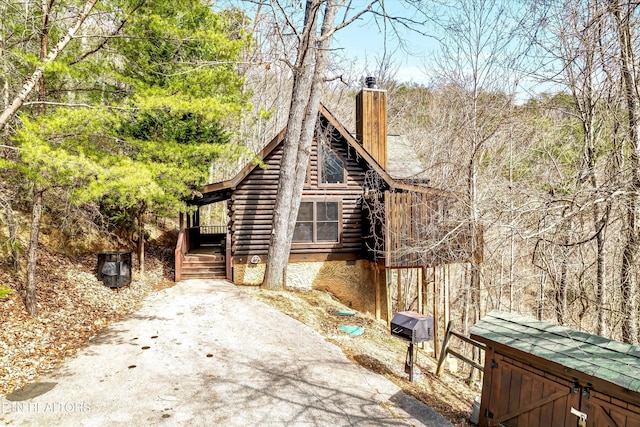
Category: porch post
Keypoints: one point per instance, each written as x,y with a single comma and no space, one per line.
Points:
227,258
387,295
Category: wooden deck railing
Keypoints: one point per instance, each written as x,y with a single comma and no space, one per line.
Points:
213,229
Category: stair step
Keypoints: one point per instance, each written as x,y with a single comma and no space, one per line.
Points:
186,276
196,266
203,266
202,269
203,258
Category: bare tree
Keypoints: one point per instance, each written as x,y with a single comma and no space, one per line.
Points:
625,18
308,70
476,64
578,43
308,73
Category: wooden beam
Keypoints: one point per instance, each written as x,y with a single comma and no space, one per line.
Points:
419,289
388,297
376,284
436,320
425,290
400,291
443,352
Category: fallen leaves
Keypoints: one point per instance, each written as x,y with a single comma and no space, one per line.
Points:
72,307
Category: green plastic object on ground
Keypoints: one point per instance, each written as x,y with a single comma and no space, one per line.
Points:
352,330
344,313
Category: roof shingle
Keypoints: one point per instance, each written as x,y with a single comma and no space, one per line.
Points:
609,360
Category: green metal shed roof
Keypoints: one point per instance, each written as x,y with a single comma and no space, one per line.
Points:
609,360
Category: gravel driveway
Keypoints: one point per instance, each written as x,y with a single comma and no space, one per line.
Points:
205,353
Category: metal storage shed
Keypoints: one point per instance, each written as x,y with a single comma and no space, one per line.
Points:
539,374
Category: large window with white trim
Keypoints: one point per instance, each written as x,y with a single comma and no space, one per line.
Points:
318,222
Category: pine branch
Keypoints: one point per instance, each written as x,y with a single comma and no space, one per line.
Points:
31,82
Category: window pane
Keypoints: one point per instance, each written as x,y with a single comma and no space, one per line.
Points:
303,232
332,168
327,211
328,231
305,213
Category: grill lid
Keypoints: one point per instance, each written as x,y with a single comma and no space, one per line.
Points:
412,326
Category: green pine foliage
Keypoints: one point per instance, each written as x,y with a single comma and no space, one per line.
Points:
133,119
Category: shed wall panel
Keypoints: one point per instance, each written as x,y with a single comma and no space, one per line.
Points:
518,396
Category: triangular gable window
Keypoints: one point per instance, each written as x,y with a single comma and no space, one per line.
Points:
331,166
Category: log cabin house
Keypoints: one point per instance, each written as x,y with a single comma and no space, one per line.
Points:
366,209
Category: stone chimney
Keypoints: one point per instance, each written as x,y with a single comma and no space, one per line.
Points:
371,121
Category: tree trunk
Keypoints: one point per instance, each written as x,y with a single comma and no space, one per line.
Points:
13,229
140,246
561,287
303,114
600,218
627,273
140,253
5,63
44,49
601,284
30,299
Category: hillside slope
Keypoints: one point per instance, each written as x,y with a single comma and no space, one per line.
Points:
73,306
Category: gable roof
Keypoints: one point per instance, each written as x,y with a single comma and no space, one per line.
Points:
598,357
219,191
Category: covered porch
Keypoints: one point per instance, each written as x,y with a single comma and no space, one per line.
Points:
202,250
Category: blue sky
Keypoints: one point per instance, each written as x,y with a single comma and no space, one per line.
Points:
363,42
361,45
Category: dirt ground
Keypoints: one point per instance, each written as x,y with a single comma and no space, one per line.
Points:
72,307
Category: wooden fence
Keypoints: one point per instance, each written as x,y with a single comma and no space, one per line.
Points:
213,229
446,350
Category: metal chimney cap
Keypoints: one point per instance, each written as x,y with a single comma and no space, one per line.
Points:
371,82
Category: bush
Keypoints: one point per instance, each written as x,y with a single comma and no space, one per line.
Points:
4,291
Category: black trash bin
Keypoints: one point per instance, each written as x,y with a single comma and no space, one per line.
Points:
114,268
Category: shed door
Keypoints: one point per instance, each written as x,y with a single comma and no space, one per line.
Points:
605,411
524,396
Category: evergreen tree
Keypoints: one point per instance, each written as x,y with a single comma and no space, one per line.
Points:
129,115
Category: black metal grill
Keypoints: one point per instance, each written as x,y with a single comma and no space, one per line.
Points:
114,268
415,328
412,326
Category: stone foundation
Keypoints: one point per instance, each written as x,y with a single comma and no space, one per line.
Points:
350,281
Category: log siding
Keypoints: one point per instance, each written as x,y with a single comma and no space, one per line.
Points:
254,198
394,223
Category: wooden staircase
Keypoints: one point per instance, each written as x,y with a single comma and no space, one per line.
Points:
203,266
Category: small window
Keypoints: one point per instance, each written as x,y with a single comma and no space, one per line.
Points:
303,231
327,221
318,222
331,167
